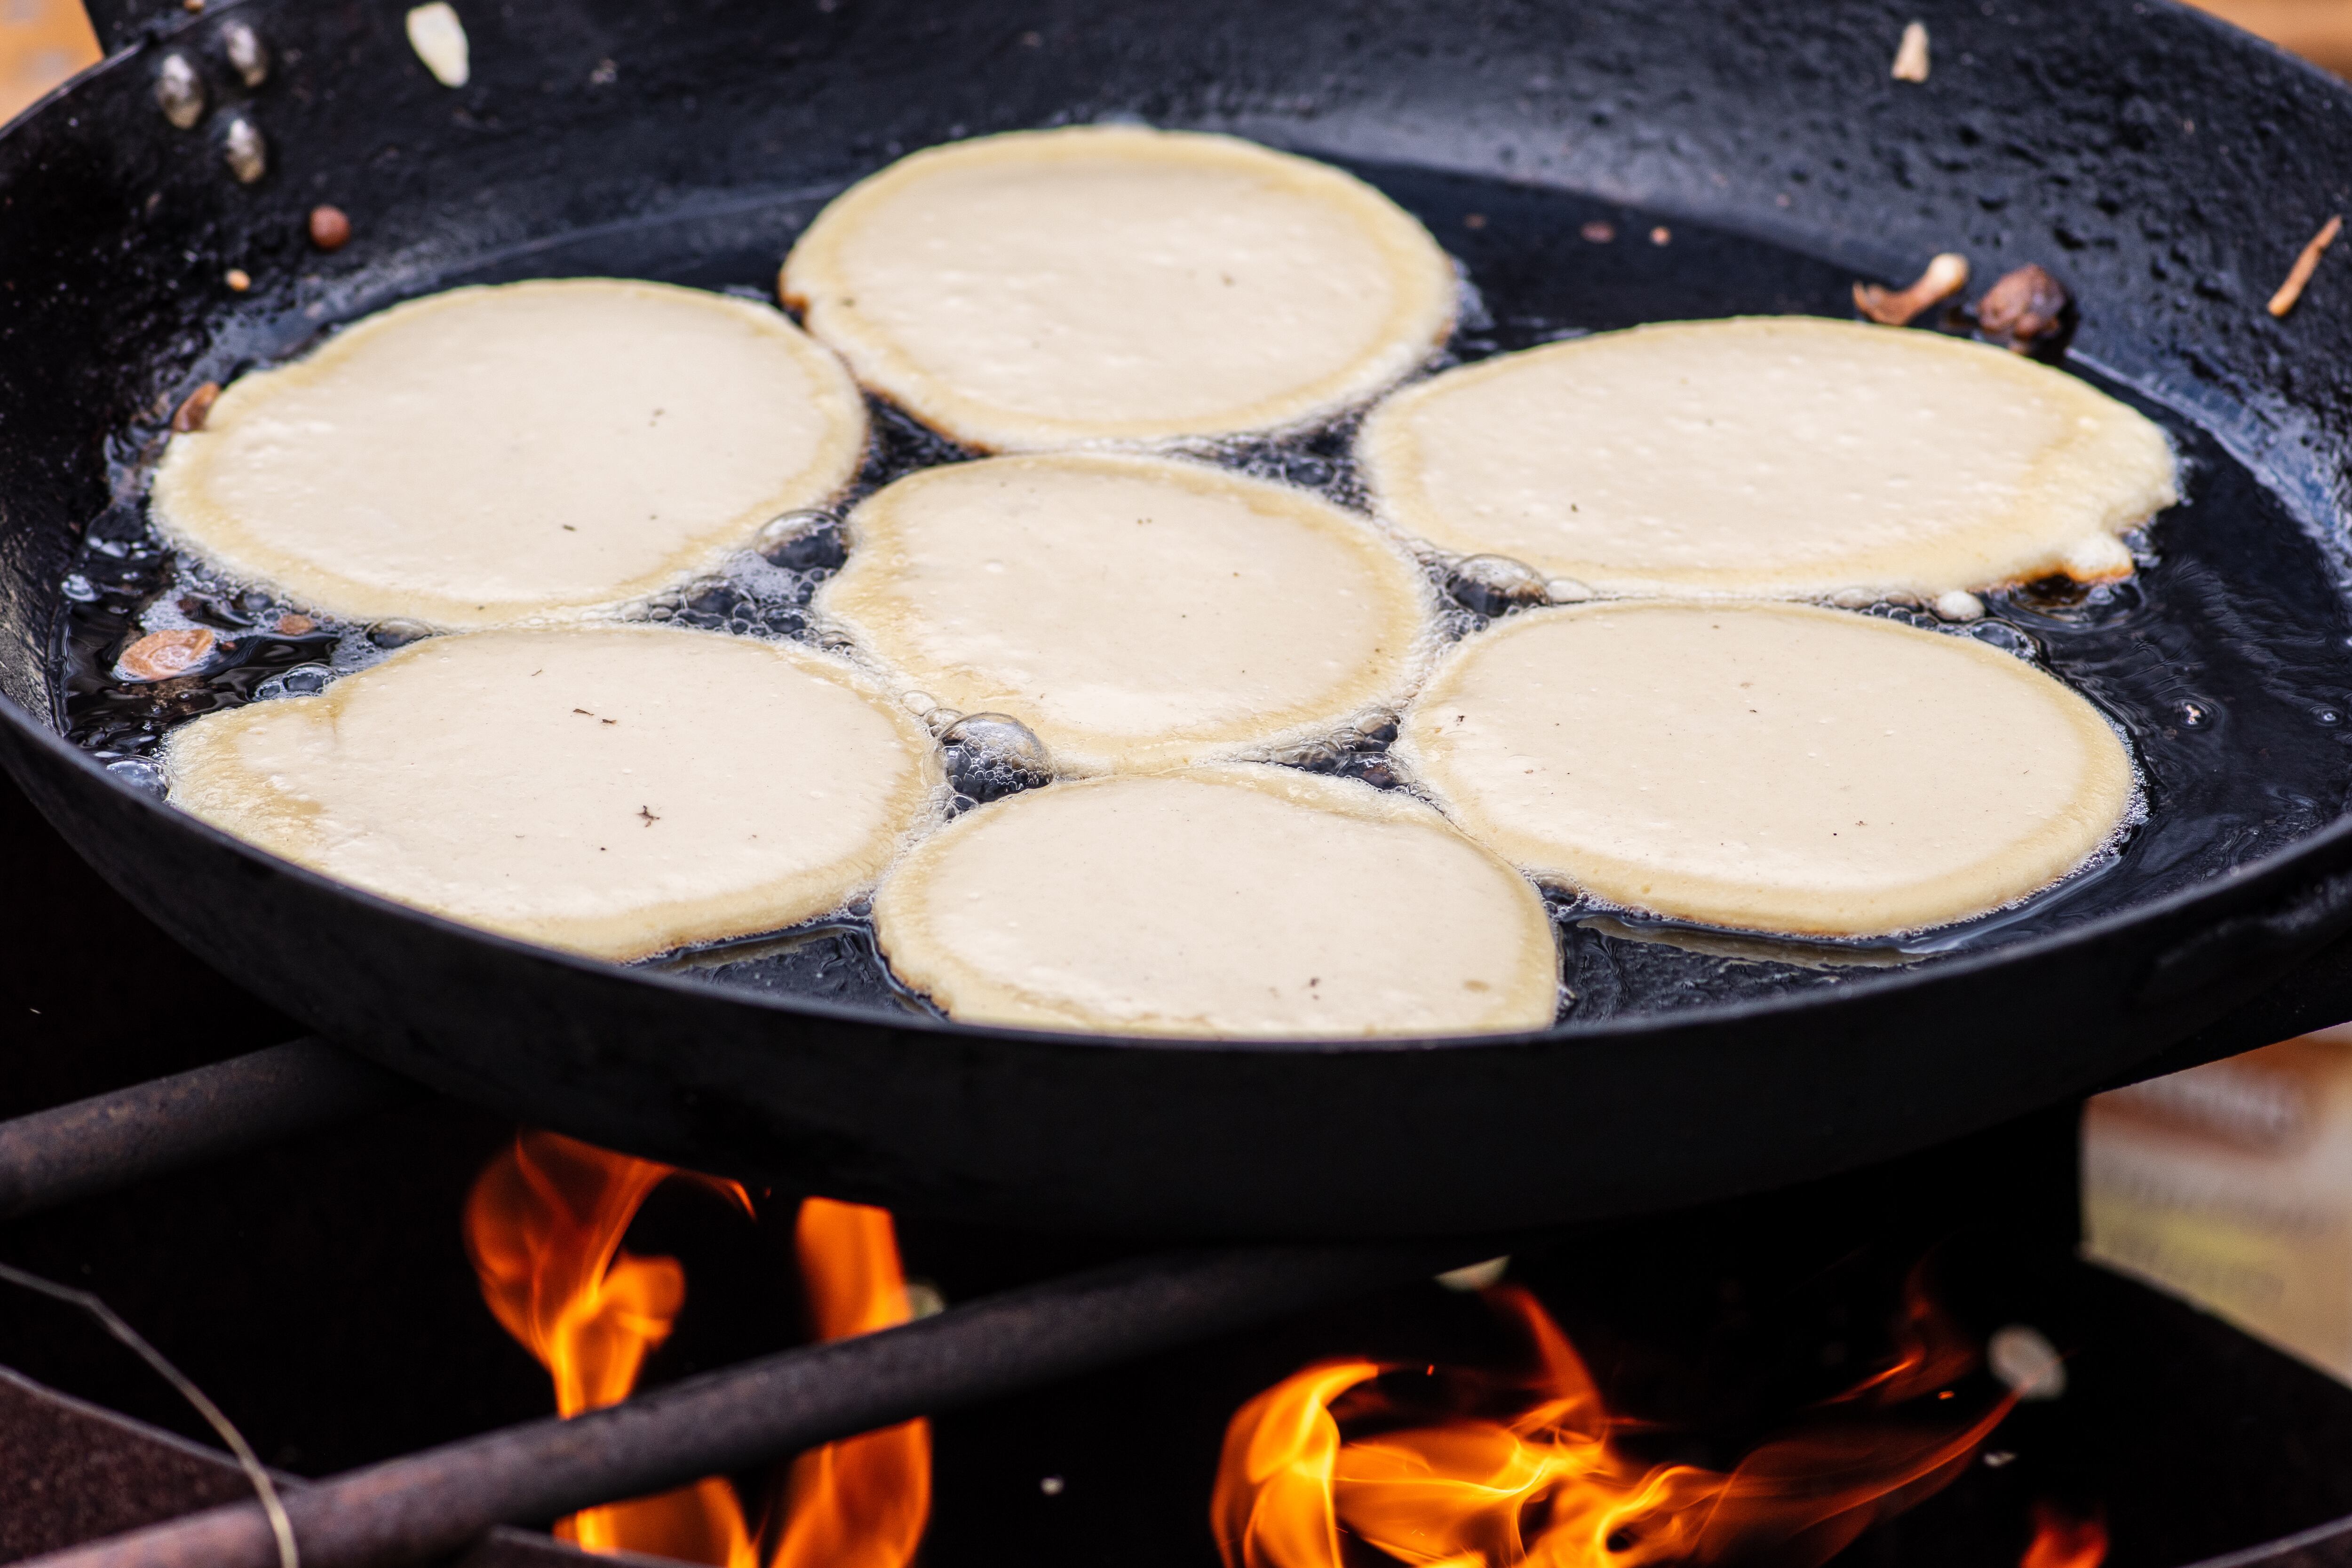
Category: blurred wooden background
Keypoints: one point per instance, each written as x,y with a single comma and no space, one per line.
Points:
42,42
2318,30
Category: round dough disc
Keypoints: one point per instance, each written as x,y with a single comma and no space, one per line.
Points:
1766,766
526,452
1240,901
1772,455
1134,612
617,791
1112,283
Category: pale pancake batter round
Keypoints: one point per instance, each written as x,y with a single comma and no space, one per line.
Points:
1133,612
1240,901
1114,283
1771,456
616,791
528,452
1767,766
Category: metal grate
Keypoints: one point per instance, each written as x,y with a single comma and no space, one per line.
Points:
443,1500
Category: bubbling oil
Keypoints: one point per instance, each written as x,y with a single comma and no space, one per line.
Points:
989,755
2226,661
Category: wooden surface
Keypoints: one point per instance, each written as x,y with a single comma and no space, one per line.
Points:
42,42
2319,30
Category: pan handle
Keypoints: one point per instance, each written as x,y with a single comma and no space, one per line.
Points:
2243,941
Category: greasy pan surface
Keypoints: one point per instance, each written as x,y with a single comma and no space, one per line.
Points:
2167,170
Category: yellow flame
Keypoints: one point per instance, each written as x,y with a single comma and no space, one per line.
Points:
544,1226
1549,1485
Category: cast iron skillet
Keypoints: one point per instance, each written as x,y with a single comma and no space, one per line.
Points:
2168,169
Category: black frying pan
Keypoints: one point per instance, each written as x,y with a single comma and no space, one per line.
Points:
2167,169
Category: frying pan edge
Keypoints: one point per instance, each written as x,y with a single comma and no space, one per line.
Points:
2208,947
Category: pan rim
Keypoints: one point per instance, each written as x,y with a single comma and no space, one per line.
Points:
1867,987
2186,905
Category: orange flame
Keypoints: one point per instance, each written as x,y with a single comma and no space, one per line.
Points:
1548,1485
861,1502
2063,1539
544,1226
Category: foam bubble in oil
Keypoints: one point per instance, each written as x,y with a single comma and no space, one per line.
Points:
1493,585
991,755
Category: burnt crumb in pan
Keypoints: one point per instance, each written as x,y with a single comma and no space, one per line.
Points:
2224,657
2029,312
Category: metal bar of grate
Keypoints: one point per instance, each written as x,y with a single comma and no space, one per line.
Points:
114,1140
431,1504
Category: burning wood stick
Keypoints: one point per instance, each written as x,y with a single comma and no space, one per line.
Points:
2305,266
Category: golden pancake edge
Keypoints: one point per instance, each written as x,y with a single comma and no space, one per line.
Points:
1134,612
1766,766
614,791
529,452
1235,901
1773,457
1117,284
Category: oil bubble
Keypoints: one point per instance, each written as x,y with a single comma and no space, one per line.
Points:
300,680
1376,730
2192,715
1568,591
140,773
806,540
2006,638
1494,584
396,632
993,754
1959,605
2328,716
712,602
1316,757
